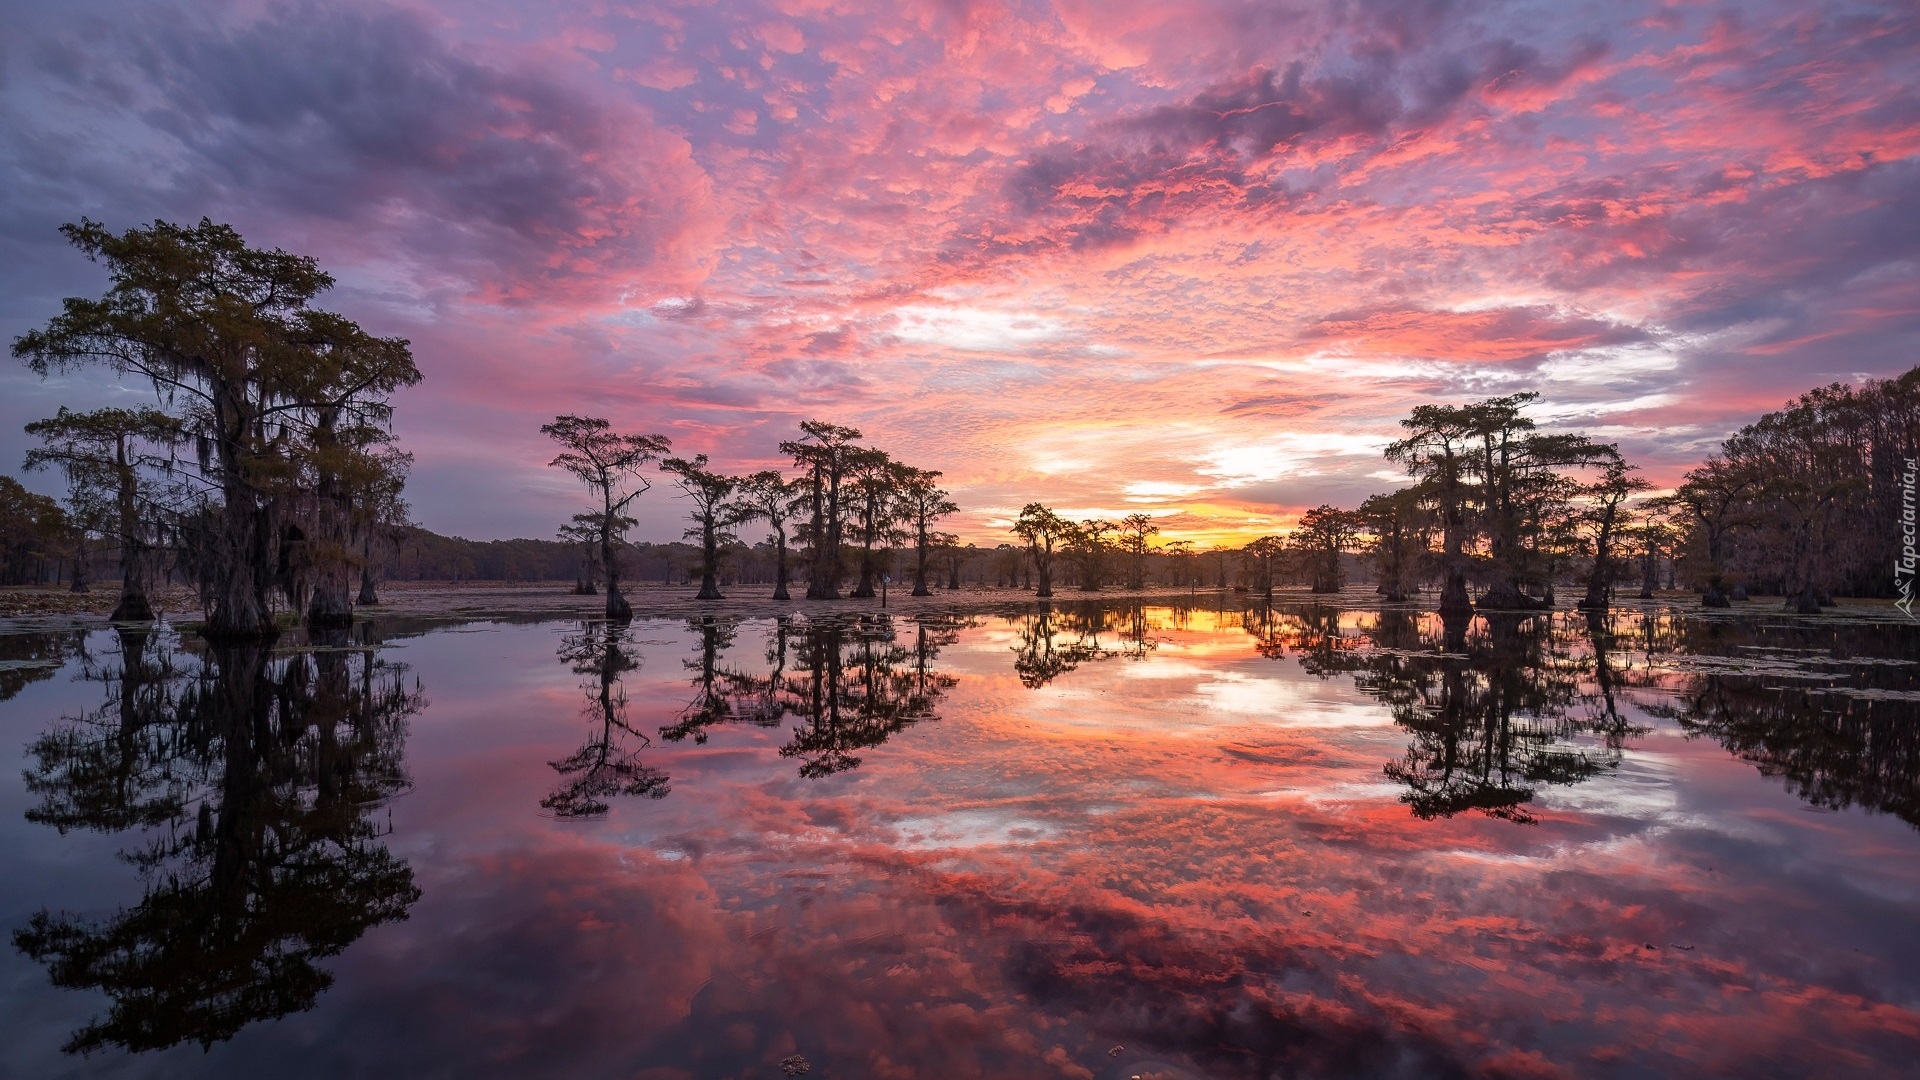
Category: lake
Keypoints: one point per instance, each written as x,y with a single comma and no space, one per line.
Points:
1101,839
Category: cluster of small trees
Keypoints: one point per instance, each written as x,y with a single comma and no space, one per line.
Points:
849,501
264,464
1513,508
1092,545
1806,503
1494,502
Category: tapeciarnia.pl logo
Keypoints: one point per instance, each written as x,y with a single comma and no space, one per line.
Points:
1903,567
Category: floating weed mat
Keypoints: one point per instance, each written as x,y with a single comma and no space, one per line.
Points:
1781,654
1417,654
1759,667
316,650
1865,693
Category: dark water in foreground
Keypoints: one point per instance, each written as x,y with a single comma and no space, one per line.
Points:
1105,841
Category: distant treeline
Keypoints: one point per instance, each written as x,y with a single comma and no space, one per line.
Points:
422,555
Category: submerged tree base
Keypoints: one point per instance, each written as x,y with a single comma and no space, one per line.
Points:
133,607
329,619
1507,596
219,635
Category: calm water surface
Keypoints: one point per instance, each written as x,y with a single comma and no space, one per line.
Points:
1096,841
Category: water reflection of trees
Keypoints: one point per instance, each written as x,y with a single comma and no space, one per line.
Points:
1059,637
1851,738
1497,709
608,764
255,779
850,683
1314,633
1053,642
858,685
722,694
27,658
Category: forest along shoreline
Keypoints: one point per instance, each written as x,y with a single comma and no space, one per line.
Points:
463,600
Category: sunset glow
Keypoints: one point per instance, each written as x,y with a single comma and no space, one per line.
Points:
1194,260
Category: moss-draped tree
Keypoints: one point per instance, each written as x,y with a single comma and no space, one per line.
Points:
261,381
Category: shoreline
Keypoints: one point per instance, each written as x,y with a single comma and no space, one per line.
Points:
479,600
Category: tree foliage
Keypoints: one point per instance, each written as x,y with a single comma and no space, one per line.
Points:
286,405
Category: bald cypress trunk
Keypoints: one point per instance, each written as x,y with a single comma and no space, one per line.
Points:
242,569
328,555
618,610
709,561
780,562
136,555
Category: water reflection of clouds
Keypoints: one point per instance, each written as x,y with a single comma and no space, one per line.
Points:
970,829
1209,867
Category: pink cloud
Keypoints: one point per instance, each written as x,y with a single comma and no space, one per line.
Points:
976,230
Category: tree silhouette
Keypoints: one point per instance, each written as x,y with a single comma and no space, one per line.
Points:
1135,532
922,502
108,456
263,383
253,778
873,480
605,766
825,453
1043,530
1604,518
765,496
610,464
853,688
1088,546
1263,553
1324,535
1435,452
708,493
1401,529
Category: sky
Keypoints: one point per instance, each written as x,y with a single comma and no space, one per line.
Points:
1195,260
